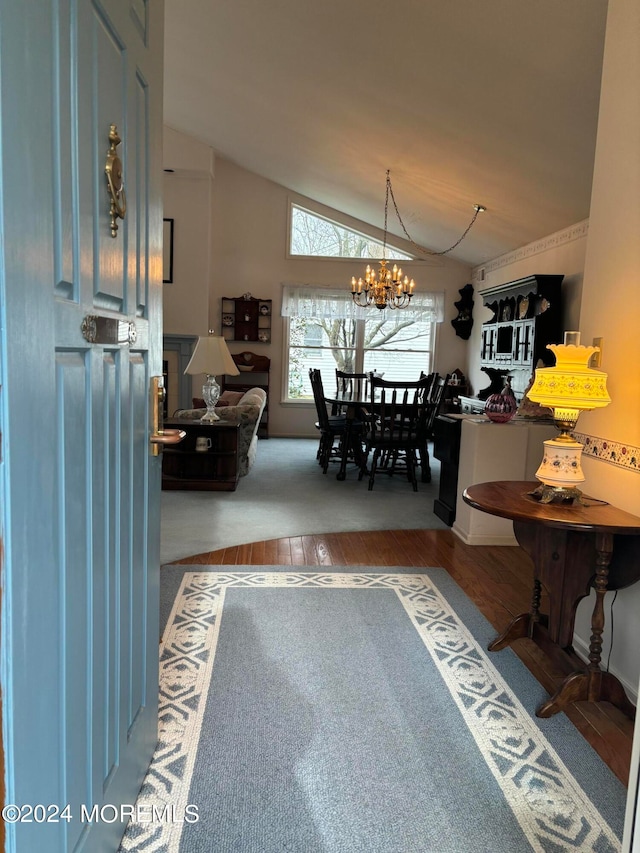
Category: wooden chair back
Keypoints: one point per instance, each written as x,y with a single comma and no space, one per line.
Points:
436,399
400,409
432,377
318,397
352,383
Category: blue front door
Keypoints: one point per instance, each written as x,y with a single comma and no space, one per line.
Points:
80,339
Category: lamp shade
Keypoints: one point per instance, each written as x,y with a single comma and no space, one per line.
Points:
212,356
570,385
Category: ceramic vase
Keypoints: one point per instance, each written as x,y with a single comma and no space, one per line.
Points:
501,407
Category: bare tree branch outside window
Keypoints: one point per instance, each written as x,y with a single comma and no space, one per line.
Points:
391,344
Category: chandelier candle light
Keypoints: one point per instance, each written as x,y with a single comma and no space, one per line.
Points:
568,388
212,357
389,288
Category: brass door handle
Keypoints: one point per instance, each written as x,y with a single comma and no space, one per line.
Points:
159,435
168,436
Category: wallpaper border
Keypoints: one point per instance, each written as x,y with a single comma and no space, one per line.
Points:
618,453
574,232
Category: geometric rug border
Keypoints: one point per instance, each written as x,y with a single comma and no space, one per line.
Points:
551,807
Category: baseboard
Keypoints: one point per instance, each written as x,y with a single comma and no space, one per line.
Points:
315,435
483,538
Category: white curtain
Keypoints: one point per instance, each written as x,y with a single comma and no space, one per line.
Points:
306,300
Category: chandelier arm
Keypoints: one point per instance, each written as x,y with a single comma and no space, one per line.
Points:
478,209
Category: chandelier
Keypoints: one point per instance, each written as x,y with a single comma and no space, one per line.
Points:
389,288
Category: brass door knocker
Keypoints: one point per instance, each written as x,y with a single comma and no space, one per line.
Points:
113,171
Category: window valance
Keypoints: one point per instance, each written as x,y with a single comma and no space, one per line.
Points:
307,300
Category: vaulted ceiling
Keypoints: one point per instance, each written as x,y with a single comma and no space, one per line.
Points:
464,101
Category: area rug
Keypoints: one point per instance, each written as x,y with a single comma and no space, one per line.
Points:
355,711
286,494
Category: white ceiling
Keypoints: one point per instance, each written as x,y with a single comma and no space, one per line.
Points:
465,101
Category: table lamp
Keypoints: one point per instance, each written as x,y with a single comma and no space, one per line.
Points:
211,356
568,388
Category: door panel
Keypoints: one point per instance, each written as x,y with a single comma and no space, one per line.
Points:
80,520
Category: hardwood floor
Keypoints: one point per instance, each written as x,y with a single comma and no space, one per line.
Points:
497,579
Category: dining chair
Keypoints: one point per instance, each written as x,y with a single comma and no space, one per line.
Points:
356,384
434,402
332,427
396,431
433,378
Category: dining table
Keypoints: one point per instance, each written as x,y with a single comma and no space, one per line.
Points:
358,409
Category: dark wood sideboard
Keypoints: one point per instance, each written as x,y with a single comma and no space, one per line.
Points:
447,430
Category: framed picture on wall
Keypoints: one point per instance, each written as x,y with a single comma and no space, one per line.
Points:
167,251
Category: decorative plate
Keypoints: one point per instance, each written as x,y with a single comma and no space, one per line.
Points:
523,308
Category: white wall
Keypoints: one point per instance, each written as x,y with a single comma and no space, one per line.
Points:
612,270
610,294
560,253
187,200
245,231
601,263
189,170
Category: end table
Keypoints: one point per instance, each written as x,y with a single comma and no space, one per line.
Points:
573,548
215,469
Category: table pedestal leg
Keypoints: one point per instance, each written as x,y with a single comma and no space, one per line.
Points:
587,686
351,442
347,442
342,472
523,625
593,685
516,630
590,684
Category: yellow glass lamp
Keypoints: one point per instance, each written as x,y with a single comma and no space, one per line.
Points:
570,387
211,357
